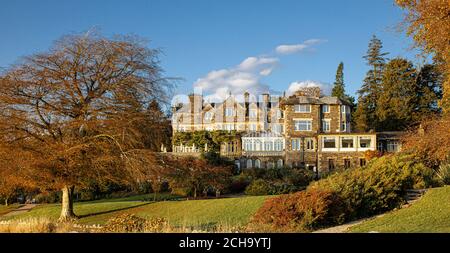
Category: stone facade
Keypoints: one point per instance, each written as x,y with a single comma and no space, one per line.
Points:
314,131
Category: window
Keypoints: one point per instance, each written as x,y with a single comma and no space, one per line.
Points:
257,145
303,108
331,164
325,108
296,144
326,125
344,127
237,163
279,145
309,143
257,163
329,142
302,125
279,114
279,163
253,113
347,163
364,142
229,127
347,142
362,162
249,163
392,146
247,145
380,146
268,145
344,109
277,128
252,127
229,112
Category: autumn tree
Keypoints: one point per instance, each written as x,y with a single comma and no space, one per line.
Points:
197,174
155,127
430,143
428,23
369,93
74,109
12,180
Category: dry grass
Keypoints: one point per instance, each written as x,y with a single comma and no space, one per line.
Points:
47,225
43,225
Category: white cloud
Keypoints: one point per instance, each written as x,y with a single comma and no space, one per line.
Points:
294,86
236,80
247,75
294,48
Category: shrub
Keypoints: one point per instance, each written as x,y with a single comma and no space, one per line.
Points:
301,211
443,173
48,197
259,187
239,183
156,225
125,223
351,194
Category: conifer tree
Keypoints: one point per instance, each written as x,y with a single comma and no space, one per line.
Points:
338,88
397,100
369,93
429,91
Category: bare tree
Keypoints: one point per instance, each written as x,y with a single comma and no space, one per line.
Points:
74,110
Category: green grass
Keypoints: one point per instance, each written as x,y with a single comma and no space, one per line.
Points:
204,213
429,214
82,209
6,209
196,213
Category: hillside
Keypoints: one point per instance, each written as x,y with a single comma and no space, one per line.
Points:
429,214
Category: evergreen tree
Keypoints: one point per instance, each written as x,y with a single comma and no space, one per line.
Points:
398,100
338,88
429,91
369,93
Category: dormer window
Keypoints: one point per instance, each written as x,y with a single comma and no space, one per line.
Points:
303,108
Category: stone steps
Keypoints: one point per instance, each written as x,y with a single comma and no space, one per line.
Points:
413,195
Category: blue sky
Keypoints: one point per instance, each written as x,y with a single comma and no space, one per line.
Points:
237,40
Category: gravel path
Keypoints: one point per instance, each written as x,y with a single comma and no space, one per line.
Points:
23,209
344,227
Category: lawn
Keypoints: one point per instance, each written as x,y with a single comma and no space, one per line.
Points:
6,209
204,213
429,214
197,213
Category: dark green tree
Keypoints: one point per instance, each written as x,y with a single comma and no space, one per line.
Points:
339,86
398,100
429,91
369,93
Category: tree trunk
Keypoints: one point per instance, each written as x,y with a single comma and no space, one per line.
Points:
6,201
195,193
67,204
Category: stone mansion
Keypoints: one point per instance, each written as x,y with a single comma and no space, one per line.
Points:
305,130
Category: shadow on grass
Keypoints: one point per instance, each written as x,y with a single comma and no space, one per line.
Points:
113,210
